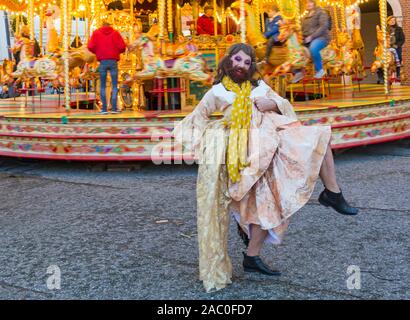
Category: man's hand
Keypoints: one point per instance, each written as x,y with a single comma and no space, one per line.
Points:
308,39
264,104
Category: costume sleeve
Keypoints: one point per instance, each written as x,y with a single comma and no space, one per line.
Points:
189,131
284,105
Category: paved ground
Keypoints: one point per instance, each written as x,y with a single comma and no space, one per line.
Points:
100,228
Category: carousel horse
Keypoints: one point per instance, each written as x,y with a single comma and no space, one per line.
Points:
44,68
51,67
180,59
298,54
75,78
357,40
350,57
358,44
378,53
30,67
79,57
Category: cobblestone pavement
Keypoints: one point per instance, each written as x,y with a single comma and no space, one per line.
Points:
99,223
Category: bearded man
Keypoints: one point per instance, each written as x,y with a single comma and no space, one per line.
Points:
258,163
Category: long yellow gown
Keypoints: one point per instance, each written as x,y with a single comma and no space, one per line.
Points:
284,163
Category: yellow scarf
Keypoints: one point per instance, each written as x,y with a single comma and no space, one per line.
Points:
241,114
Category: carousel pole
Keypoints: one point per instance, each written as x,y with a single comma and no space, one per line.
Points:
77,18
41,27
18,24
132,20
343,14
215,5
31,18
383,22
195,11
257,8
170,21
87,21
161,19
242,21
262,16
336,18
298,18
61,26
178,19
159,83
70,20
223,17
65,58
171,82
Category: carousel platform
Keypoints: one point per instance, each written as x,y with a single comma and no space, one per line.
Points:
41,128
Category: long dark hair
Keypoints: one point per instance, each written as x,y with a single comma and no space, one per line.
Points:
225,63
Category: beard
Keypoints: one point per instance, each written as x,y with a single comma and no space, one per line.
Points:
237,74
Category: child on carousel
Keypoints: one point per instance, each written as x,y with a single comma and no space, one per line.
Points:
272,24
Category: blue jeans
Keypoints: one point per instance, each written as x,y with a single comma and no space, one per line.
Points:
112,66
400,53
315,47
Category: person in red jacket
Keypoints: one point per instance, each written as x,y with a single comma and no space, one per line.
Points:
107,44
205,23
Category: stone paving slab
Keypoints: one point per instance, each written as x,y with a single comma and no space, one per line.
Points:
101,230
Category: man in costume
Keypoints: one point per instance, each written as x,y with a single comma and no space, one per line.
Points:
258,163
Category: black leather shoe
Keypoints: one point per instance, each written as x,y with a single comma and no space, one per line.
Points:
255,264
243,235
339,204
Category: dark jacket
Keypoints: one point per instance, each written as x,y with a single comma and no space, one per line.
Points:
107,44
316,25
398,37
272,28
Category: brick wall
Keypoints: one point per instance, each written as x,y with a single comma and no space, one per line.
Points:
405,4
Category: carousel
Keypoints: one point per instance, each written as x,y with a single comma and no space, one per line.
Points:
50,84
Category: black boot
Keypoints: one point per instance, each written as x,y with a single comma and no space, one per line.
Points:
337,202
243,235
255,264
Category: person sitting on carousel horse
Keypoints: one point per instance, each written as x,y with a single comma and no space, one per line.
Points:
272,24
315,30
23,48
